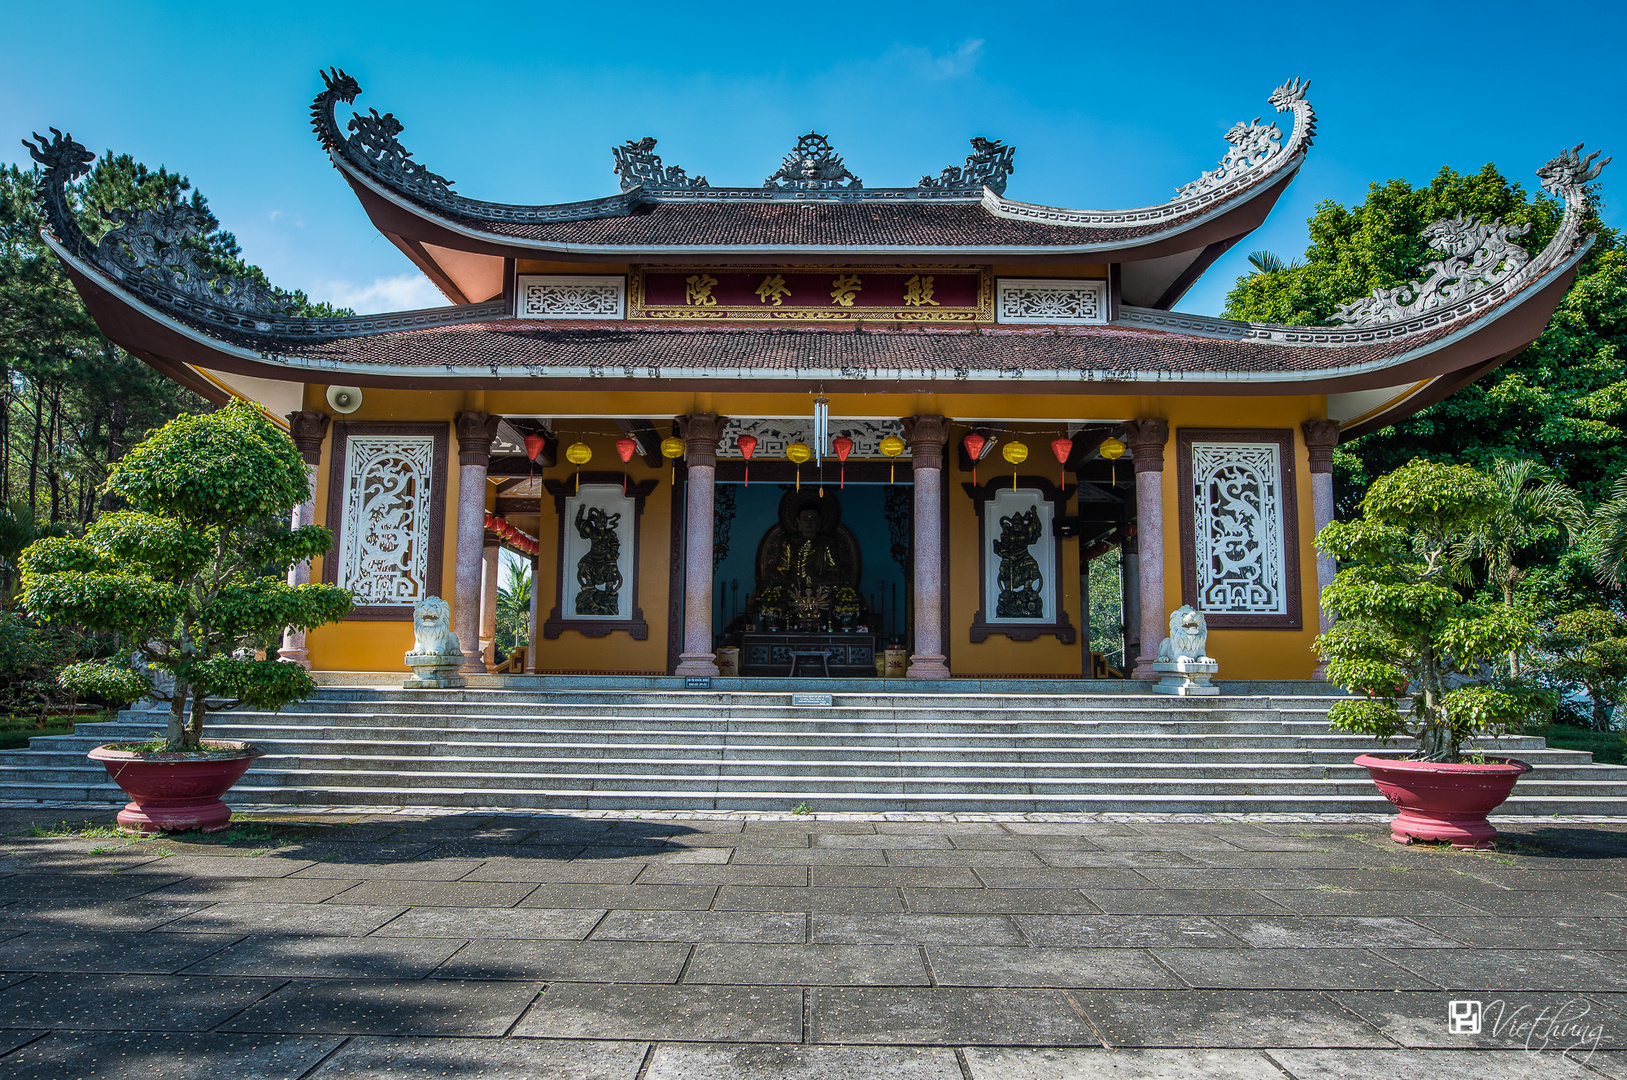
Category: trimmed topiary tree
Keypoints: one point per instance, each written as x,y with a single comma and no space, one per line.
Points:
193,576
1412,635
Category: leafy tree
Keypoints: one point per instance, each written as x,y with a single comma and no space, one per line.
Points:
1588,649
1531,507
194,572
1563,401
514,608
1607,535
1410,628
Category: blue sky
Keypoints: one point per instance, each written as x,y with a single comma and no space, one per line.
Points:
1108,105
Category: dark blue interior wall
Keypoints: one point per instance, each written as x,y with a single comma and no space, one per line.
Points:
756,511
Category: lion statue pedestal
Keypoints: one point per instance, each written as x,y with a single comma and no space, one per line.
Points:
1183,668
435,657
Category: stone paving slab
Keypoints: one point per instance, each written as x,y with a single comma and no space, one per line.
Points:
1331,932
573,872
807,965
473,894
770,1014
1126,931
1433,1065
64,913
1507,969
455,922
747,1062
346,920
765,927
129,1002
992,965
110,951
1496,932
389,1007
948,1017
877,929
376,1058
292,956
895,877
1000,901
1002,1063
1289,969
169,1055
1223,1019
1510,1021
104,885
632,897
807,898
256,890
575,961
1185,901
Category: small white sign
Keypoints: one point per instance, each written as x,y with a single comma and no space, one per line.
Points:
811,700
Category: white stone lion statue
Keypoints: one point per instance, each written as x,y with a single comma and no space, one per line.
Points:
1188,637
432,628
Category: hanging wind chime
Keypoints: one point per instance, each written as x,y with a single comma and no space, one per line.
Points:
1112,449
892,446
673,447
625,449
1062,447
747,444
974,443
579,454
798,452
1016,453
843,447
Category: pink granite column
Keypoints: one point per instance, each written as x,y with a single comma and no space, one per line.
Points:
531,621
490,563
701,433
475,433
1147,439
926,436
1321,436
307,430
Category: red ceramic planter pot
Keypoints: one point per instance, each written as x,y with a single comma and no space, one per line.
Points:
176,792
1444,800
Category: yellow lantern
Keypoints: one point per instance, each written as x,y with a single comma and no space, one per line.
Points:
673,447
578,454
798,452
1016,453
892,446
1112,449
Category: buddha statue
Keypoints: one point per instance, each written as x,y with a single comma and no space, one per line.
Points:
808,564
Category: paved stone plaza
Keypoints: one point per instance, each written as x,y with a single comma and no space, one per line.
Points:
750,947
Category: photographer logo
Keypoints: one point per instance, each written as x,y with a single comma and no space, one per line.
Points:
1463,1017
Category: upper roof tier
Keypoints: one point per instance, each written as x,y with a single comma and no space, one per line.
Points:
812,207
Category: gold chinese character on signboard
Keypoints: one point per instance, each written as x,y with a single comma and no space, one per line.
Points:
918,291
772,288
698,290
844,287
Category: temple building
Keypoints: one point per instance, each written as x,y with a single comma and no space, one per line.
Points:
792,424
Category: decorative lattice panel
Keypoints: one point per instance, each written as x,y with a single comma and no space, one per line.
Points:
1237,517
1035,300
548,296
384,547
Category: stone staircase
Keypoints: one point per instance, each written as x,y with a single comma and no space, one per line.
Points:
961,745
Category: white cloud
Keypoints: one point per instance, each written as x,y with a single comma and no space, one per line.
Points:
404,292
961,60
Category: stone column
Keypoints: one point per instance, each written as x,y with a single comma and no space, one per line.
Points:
308,430
490,563
475,433
1321,436
1130,600
1147,439
701,432
926,436
532,636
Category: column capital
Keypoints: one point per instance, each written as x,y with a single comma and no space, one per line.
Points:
1147,439
476,430
926,436
489,541
1321,436
701,433
308,429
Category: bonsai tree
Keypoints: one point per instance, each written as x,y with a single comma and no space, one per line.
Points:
1587,649
1412,636
192,577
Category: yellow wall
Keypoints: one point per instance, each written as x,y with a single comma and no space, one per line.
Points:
1243,654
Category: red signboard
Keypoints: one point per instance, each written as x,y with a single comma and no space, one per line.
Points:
838,292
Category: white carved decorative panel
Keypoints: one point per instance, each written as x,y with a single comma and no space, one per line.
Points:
1046,300
1237,516
1019,558
383,552
775,434
555,296
597,582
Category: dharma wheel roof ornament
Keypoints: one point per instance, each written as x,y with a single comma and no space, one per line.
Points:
813,165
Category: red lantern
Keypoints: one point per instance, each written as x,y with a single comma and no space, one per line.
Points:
490,520
534,445
843,447
974,443
625,449
747,444
1062,447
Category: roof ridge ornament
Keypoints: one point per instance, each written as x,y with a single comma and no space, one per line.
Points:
1477,255
372,139
1254,145
812,165
639,166
986,167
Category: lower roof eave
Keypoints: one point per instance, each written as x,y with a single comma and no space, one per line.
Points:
171,345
